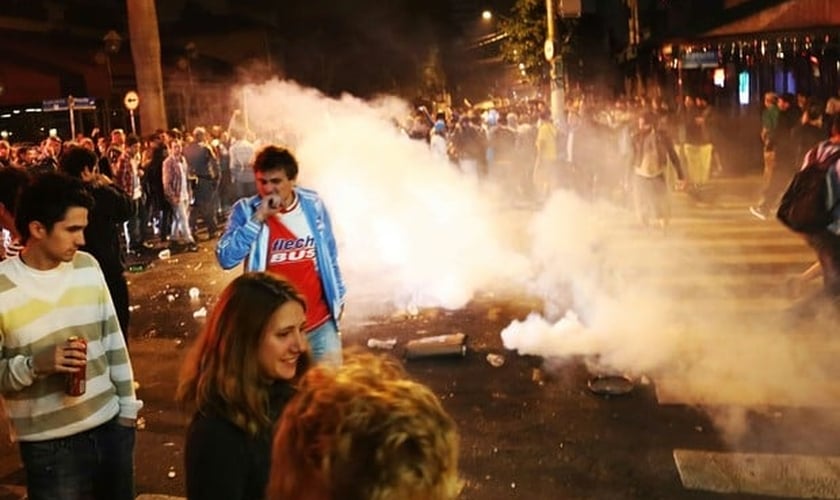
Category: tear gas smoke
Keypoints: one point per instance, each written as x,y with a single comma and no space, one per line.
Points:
414,232
411,230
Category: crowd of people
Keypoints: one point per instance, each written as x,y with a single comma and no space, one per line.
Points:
595,149
278,410
269,359
635,151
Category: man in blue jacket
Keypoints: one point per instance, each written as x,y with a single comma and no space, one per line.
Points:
286,230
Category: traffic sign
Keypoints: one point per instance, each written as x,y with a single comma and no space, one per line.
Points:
131,100
79,103
548,50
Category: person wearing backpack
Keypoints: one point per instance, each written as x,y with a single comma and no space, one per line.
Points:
826,241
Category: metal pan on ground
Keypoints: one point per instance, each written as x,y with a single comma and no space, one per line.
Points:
610,385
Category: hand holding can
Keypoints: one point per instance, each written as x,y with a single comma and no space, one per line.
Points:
77,381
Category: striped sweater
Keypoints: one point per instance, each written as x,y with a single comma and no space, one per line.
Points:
39,309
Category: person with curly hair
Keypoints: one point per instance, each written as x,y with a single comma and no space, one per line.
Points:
364,431
238,376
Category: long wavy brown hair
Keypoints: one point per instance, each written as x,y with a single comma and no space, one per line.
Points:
220,374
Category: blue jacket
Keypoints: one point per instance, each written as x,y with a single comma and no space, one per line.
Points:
246,240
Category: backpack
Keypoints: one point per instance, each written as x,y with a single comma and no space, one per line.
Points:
804,206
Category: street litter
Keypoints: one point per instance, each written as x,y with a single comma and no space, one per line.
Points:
164,254
495,360
194,293
141,423
198,266
201,313
170,298
412,310
171,473
381,344
610,384
439,345
133,308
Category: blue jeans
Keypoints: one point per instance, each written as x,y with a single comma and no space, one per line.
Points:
94,464
325,343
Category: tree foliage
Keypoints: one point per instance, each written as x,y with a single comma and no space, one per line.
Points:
527,30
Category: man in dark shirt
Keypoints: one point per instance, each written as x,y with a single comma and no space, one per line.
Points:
793,140
786,162
204,166
111,209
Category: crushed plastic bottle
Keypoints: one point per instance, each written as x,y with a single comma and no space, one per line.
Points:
495,360
387,344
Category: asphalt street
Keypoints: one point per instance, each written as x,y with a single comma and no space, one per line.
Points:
531,427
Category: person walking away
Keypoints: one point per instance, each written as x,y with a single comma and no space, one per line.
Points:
57,321
438,143
286,230
205,166
698,148
112,208
242,164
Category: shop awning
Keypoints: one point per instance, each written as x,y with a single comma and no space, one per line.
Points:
793,15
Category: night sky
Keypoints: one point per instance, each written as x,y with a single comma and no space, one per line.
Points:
360,46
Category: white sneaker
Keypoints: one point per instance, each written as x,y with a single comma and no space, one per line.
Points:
758,213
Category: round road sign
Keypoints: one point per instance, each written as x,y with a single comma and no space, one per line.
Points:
131,100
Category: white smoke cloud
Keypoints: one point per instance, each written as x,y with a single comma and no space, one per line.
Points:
414,232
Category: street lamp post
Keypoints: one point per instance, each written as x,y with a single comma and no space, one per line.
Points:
554,60
112,41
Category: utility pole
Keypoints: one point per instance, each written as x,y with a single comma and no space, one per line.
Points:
552,54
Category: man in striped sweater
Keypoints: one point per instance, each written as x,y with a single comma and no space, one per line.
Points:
72,447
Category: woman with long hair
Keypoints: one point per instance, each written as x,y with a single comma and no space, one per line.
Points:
237,378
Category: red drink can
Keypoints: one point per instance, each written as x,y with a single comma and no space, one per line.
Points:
77,382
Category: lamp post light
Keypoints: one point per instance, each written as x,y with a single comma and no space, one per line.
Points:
553,57
112,43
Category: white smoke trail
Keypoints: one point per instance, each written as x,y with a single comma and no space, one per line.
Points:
412,231
415,232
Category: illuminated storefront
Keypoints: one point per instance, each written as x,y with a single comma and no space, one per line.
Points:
790,47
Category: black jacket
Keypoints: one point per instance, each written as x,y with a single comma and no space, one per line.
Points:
111,208
223,462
